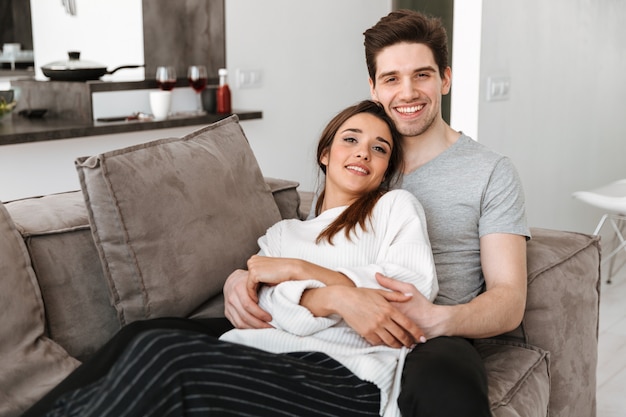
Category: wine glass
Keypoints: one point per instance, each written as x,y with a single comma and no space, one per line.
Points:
166,77
197,76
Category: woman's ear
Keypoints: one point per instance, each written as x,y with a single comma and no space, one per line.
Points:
324,157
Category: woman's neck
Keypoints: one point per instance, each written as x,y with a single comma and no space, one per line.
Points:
332,200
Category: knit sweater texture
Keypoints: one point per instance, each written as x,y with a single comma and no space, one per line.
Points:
395,243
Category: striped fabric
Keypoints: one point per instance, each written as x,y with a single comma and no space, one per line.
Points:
175,373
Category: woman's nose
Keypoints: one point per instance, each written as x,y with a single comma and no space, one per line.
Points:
363,154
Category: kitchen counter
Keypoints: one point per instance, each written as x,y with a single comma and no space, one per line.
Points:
17,129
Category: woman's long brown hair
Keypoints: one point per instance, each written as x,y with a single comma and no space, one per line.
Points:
361,210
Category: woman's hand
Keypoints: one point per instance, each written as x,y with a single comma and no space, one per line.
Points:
270,271
368,311
240,308
241,288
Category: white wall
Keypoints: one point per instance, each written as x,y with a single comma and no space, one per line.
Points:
564,124
107,32
310,53
33,169
313,62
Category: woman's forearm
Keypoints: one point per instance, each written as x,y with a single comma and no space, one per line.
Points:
273,271
308,270
319,301
368,311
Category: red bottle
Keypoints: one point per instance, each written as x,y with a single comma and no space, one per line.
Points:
223,93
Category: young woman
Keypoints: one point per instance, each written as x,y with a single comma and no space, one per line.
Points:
309,362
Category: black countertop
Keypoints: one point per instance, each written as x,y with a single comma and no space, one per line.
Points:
17,129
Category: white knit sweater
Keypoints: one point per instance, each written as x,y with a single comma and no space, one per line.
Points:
395,244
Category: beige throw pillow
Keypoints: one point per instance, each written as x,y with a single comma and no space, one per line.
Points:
173,218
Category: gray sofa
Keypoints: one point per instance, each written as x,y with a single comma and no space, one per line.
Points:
156,229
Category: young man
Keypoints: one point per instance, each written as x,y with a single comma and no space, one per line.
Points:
474,207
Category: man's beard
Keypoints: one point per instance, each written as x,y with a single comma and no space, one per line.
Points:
409,129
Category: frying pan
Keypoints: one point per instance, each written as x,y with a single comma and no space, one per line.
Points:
77,70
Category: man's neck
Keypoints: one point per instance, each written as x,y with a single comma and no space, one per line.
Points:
418,150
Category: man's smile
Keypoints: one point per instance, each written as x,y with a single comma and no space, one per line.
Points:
409,109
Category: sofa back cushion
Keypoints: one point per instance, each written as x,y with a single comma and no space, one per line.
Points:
30,363
171,219
55,228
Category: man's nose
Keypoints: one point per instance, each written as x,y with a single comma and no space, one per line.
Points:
407,89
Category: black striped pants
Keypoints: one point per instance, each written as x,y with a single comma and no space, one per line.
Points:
183,373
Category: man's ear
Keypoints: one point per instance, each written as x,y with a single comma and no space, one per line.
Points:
373,90
446,81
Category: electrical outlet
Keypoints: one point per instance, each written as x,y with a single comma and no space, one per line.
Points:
248,78
498,88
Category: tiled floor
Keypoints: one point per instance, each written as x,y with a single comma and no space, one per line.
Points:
611,401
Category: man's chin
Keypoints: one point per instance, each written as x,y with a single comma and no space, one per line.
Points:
411,130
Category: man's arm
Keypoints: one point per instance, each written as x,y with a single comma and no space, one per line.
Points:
501,307
498,310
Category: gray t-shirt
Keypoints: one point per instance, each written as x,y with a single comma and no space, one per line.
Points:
467,191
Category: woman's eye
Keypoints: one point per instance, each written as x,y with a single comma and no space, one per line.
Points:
380,149
349,139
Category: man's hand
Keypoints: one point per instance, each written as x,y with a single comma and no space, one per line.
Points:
418,308
240,308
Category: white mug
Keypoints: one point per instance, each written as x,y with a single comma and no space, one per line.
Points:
11,49
160,102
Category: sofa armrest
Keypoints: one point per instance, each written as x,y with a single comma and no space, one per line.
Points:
561,317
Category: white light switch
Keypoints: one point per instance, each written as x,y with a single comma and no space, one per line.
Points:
248,78
498,88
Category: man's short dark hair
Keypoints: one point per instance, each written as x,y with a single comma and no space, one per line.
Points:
406,26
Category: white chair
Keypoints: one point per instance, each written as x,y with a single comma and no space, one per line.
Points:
612,199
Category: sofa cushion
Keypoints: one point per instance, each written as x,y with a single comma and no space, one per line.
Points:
30,363
286,197
174,217
56,230
518,378
561,315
